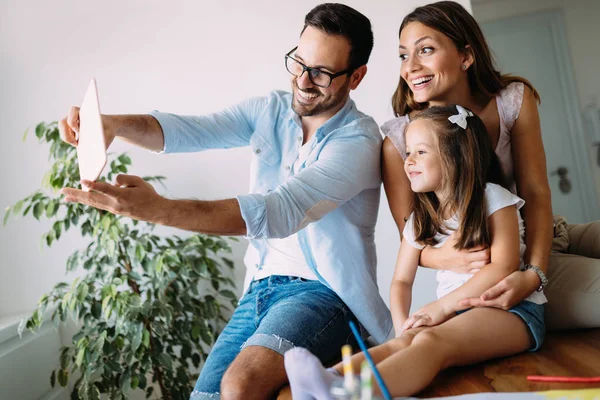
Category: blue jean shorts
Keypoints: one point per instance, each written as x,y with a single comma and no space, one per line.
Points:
279,313
533,316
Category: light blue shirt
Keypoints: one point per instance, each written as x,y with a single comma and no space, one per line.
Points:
331,201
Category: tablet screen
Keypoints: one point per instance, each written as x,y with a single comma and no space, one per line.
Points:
91,147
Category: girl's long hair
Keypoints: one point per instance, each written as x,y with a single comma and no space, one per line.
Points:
468,162
451,19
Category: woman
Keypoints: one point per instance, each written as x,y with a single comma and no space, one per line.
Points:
446,60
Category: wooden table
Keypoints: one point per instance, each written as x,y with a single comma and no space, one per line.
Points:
566,353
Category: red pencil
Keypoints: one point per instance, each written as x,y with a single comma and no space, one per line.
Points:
566,379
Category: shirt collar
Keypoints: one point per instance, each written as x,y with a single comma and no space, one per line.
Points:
330,125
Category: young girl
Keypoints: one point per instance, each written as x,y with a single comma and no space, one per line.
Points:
456,179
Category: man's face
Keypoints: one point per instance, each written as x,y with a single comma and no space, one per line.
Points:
329,53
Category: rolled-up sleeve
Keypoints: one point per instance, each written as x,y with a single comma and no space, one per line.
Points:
346,166
229,128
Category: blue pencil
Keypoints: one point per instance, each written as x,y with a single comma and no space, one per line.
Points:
361,344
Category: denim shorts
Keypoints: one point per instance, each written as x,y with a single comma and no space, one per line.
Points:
279,313
533,316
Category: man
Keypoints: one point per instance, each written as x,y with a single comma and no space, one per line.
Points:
309,217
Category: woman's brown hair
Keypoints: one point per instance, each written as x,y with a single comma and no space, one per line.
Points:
468,163
451,19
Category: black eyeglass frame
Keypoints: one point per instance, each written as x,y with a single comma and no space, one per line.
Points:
305,69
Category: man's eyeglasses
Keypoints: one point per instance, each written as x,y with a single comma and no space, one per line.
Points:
317,77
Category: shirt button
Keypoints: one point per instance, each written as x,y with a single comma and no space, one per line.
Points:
288,167
299,138
257,151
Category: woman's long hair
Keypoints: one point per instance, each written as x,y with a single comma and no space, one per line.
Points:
451,19
468,162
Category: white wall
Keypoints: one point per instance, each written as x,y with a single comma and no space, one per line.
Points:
184,57
582,30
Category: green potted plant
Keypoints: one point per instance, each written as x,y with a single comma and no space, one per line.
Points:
147,307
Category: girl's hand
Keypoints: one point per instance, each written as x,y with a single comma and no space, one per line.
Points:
430,315
468,261
506,293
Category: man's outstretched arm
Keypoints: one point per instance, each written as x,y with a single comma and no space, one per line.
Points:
133,197
141,130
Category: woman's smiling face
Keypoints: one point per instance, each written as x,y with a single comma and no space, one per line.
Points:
431,63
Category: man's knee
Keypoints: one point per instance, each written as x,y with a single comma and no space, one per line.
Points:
256,373
234,385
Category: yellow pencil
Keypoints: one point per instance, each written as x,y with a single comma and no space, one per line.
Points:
349,381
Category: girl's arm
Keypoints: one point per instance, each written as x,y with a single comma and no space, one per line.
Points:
402,282
503,226
529,162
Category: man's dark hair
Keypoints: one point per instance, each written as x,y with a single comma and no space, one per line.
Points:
339,19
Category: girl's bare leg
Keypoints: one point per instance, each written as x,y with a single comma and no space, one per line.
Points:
383,351
474,336
308,378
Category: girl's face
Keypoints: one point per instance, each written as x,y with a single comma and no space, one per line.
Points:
431,63
423,164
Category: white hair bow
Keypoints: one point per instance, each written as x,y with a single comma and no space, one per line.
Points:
460,119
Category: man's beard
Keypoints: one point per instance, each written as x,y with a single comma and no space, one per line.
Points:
310,110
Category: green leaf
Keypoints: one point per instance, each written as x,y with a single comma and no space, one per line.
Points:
63,377
105,304
124,159
159,265
134,301
53,378
39,130
82,392
146,338
106,222
228,262
119,342
51,208
96,310
135,381
111,248
6,215
65,358
38,209
137,337
196,360
94,392
166,361
82,292
206,336
80,356
196,329
50,238
57,227
126,382
25,137
229,294
158,329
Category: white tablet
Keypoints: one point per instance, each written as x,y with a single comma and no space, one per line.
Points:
91,146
